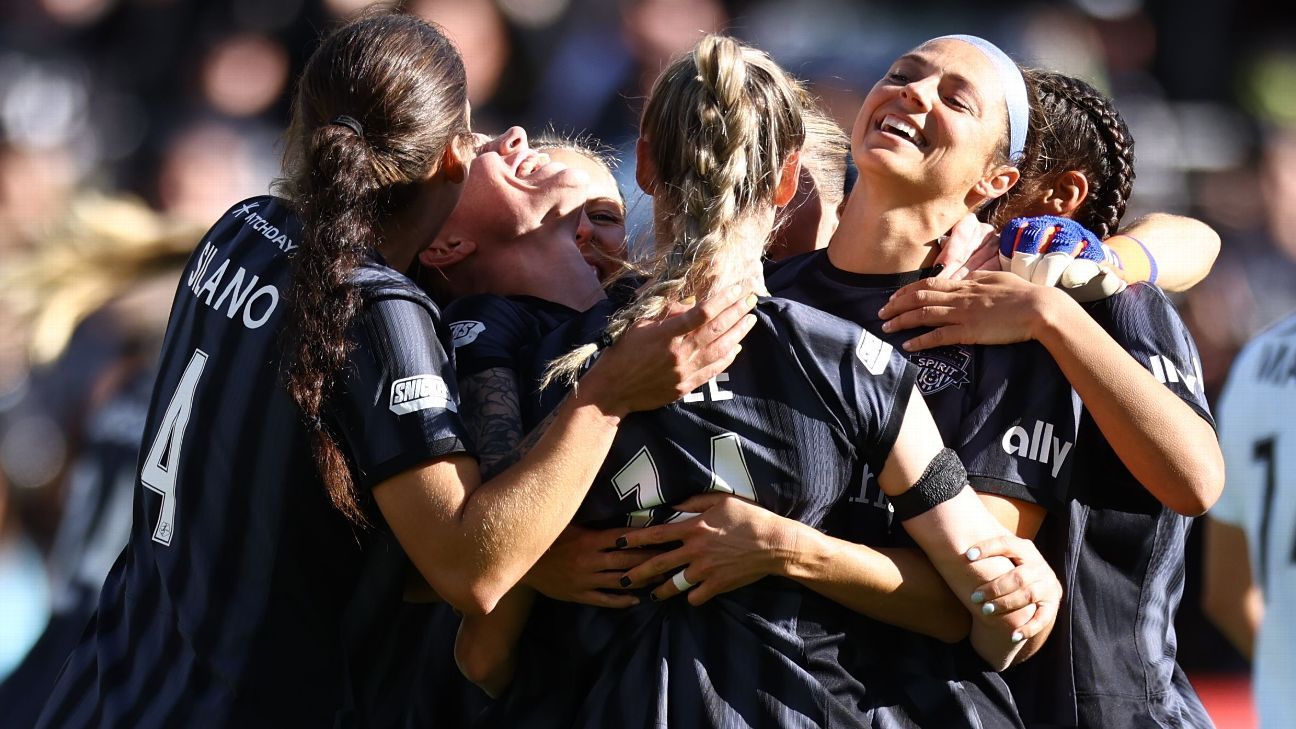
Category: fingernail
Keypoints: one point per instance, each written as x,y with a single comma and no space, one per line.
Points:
908,345
625,581
988,609
751,300
973,554
939,267
622,542
653,596
886,325
1017,636
978,597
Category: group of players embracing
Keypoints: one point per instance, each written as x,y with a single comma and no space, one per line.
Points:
882,477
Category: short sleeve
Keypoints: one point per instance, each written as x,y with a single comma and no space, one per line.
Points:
397,403
1143,321
863,379
1018,431
486,331
881,381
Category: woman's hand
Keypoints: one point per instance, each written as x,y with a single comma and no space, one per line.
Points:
1030,582
730,543
656,363
970,246
582,564
985,308
1054,251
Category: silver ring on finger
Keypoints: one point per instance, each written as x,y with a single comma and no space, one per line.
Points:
681,582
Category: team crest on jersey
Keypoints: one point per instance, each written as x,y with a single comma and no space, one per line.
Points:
465,332
420,392
942,368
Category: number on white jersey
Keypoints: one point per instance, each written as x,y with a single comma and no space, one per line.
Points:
1265,452
163,461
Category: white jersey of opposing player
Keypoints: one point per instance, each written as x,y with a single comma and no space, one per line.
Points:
1257,424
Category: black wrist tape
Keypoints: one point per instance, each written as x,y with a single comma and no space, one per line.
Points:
942,480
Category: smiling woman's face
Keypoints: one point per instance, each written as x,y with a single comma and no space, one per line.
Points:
937,120
512,190
601,235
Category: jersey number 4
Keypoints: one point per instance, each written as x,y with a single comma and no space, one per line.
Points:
163,461
640,478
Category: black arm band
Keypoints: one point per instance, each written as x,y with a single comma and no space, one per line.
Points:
942,480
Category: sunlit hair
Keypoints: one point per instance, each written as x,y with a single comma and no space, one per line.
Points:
401,82
584,144
720,124
827,147
1079,129
50,285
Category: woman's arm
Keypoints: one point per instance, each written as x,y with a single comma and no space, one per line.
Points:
474,541
484,646
1230,598
1181,250
948,530
1162,441
734,543
493,417
1171,251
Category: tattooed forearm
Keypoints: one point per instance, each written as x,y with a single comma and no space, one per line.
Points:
493,417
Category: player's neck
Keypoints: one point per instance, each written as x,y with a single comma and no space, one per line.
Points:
547,269
887,233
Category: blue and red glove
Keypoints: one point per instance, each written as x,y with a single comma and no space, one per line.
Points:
1055,251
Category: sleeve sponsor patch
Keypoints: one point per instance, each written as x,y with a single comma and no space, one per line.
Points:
411,394
465,332
874,353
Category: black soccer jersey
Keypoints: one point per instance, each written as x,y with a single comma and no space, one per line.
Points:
1009,414
809,397
504,331
243,598
1110,661
1006,410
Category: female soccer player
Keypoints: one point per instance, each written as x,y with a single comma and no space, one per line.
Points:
305,412
940,136
1147,457
790,424
601,235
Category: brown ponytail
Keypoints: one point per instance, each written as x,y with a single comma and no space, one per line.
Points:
401,83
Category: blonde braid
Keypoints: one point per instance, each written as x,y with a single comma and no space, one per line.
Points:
721,122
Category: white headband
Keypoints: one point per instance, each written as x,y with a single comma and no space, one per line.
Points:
1014,86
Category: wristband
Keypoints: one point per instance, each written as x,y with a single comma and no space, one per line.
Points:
1124,253
941,481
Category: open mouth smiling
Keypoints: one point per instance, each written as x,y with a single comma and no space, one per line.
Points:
896,126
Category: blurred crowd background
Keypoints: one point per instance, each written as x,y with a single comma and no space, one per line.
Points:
128,126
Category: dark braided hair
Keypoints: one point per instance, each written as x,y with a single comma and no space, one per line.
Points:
1081,130
998,211
401,82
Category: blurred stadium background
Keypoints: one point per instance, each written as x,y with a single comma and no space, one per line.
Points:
127,126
